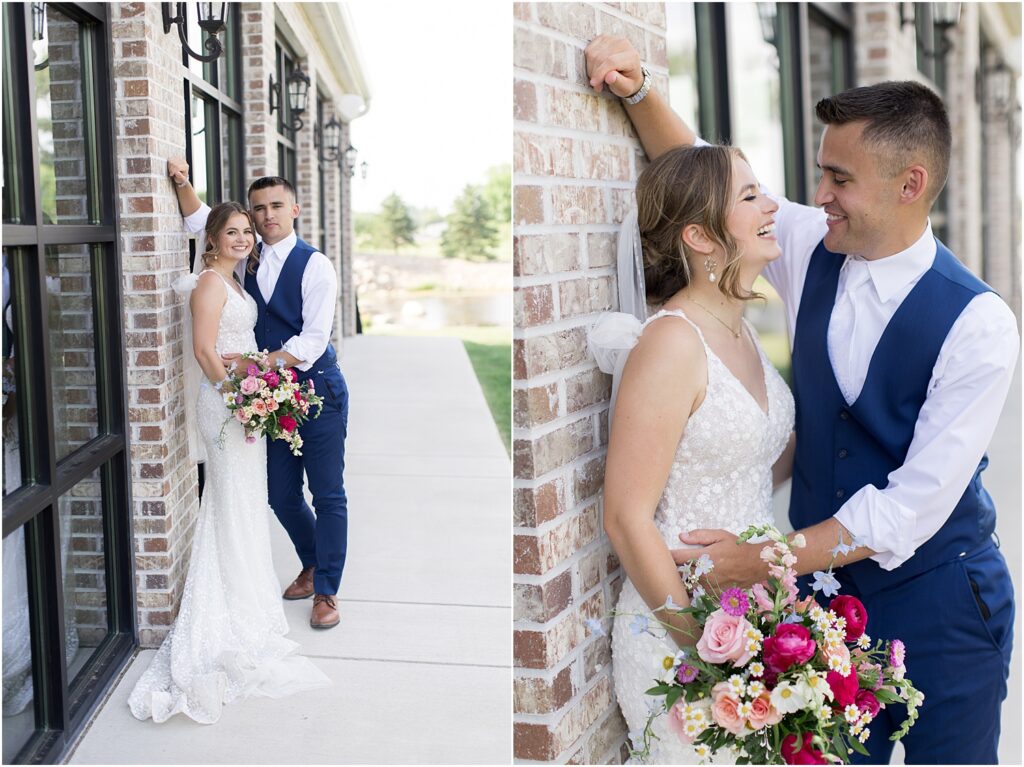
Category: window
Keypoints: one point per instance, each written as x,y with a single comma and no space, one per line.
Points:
286,164
828,50
213,114
67,528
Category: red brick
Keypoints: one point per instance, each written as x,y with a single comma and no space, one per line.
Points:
536,405
539,695
533,741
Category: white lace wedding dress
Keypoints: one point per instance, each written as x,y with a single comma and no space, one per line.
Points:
228,640
721,478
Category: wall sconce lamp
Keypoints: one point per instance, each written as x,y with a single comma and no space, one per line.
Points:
945,16
297,84
996,84
363,167
328,140
39,32
348,164
210,22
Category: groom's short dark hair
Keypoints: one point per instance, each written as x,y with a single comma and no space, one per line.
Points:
266,182
905,122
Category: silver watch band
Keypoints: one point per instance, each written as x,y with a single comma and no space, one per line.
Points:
641,94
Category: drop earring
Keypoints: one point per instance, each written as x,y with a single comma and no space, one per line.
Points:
710,265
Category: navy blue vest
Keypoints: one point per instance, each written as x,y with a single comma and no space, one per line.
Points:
281,318
841,448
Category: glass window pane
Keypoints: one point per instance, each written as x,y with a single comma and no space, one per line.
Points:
65,153
200,170
12,472
822,66
14,191
72,346
212,147
80,516
19,713
754,85
232,162
229,62
682,61
196,37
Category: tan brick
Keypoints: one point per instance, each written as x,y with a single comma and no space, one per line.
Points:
547,254
533,506
596,703
560,447
604,744
540,53
601,160
528,205
586,389
533,305
542,602
539,695
577,20
535,406
597,657
588,479
524,101
572,109
578,205
538,155
546,649
555,351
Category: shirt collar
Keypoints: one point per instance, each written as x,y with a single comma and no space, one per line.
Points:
283,248
893,273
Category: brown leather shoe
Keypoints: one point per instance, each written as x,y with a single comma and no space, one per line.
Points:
301,587
325,612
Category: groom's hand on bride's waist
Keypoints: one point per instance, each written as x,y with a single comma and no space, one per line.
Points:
735,565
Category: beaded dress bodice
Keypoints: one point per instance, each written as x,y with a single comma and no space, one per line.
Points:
721,477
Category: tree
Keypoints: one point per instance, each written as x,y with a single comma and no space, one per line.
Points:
471,232
394,224
498,192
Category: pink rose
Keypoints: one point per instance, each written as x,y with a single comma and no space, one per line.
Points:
790,645
725,709
272,405
840,651
763,713
725,638
844,688
271,378
240,416
866,701
249,385
287,423
853,611
677,722
259,407
800,751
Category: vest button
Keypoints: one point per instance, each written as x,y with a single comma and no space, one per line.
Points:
843,453
844,415
840,493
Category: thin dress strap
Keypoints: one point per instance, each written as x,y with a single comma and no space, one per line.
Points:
228,285
677,313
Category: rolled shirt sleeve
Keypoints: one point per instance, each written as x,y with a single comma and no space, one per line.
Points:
966,394
319,297
196,222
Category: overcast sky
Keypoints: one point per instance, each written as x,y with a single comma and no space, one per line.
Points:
440,114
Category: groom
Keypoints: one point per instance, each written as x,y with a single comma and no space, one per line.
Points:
901,362
295,289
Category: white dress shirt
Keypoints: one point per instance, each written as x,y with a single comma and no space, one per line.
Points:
319,291
965,395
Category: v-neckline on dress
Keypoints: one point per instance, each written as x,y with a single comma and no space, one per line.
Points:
766,410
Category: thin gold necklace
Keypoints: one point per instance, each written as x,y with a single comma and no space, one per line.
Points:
735,333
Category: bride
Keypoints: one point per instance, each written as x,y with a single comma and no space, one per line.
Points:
701,419
228,641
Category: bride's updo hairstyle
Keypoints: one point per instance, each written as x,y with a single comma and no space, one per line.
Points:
217,222
687,185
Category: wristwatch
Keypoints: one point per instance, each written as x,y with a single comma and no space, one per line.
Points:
641,94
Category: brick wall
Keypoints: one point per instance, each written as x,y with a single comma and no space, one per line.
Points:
257,65
149,127
575,162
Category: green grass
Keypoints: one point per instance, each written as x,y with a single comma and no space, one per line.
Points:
490,351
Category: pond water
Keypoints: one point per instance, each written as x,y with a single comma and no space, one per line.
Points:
437,310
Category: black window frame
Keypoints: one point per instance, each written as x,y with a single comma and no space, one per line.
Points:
61,709
285,62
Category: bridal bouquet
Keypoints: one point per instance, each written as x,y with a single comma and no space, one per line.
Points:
270,403
774,679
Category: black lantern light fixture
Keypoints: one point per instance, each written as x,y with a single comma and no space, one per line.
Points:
328,139
363,167
945,16
211,18
39,32
997,87
348,165
297,92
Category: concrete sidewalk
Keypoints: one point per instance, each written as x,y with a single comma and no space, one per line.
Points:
421,660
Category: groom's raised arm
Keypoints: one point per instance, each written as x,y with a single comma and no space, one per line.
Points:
613,63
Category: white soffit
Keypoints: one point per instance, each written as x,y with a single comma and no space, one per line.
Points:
336,38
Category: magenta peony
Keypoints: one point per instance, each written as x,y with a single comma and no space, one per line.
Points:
866,701
801,751
791,644
287,423
852,609
844,688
